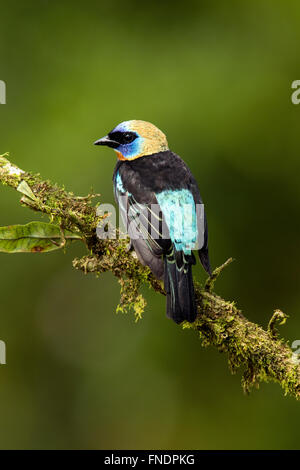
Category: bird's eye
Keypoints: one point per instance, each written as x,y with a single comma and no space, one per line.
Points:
129,137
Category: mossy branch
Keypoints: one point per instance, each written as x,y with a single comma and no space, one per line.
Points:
261,354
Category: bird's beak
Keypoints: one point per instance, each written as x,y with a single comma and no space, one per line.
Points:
108,142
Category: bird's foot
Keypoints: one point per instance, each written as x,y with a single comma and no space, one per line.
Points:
129,246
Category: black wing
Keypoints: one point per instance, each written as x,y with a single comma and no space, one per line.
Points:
144,226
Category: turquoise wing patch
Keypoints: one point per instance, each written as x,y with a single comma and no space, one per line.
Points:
119,184
179,210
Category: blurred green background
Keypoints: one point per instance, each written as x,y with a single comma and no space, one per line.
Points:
216,78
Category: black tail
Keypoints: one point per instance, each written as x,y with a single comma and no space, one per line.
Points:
179,287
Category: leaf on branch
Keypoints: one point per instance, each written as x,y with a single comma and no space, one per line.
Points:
24,188
35,237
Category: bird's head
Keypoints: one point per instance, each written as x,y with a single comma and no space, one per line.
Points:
134,139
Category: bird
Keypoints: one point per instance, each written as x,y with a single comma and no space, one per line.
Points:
159,199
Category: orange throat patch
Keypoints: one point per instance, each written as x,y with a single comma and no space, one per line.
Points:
122,158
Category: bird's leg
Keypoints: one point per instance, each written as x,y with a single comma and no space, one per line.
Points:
130,249
129,246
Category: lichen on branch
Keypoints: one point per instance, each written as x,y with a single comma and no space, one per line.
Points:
261,354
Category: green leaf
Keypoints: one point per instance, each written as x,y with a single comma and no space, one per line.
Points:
24,188
35,237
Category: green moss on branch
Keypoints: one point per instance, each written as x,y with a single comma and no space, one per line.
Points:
261,354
